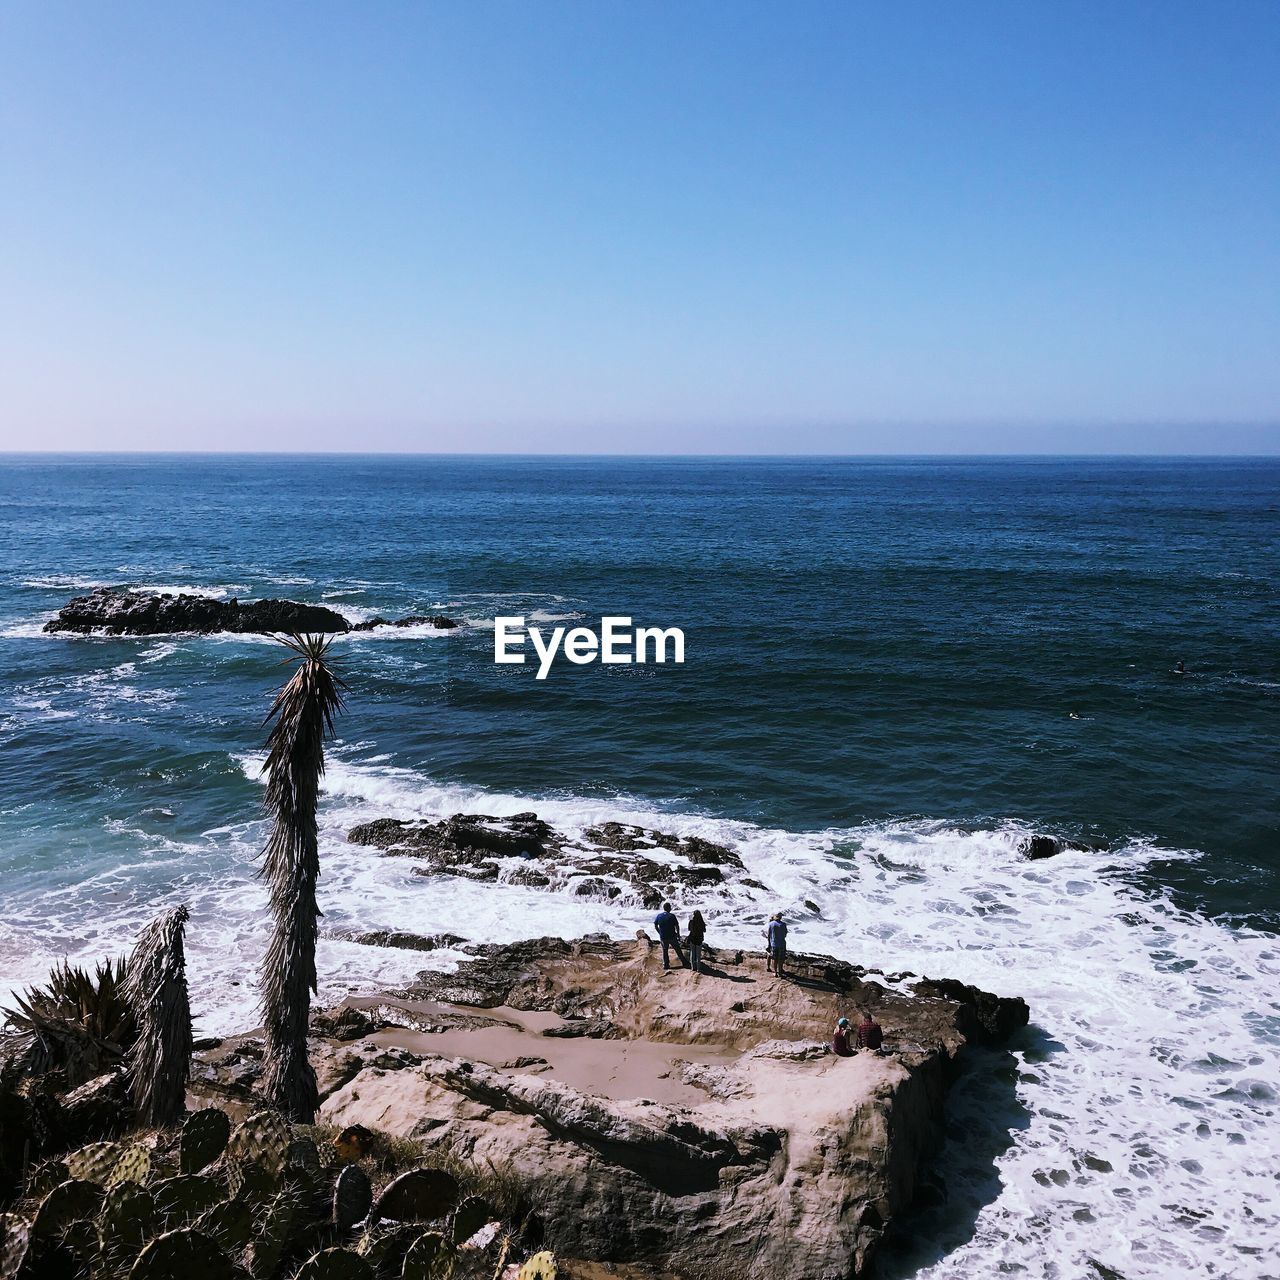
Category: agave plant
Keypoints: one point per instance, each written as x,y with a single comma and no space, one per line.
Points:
300,718
159,1061
79,1023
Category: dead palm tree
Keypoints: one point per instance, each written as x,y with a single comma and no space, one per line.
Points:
303,715
155,985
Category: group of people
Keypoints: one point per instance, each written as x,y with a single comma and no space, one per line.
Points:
667,925
848,1039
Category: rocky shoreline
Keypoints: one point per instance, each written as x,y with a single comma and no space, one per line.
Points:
138,612
698,1123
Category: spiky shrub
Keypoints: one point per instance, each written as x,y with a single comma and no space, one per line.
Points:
300,718
79,1023
159,1061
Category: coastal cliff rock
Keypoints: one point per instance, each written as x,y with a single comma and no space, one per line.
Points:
136,612
696,1123
610,861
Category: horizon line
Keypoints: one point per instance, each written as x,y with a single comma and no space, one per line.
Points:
511,453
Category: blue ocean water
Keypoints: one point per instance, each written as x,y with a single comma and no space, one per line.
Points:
882,661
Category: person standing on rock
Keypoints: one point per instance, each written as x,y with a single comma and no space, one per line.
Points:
777,936
668,928
694,935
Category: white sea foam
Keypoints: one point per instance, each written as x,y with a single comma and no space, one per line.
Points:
1148,1080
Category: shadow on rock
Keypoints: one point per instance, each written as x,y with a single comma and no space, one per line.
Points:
983,1114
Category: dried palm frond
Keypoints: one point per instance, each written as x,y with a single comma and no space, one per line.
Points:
303,716
159,1061
78,1023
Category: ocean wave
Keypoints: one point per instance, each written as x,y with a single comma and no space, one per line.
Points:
1147,1078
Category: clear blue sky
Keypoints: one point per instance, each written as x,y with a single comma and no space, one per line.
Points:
705,227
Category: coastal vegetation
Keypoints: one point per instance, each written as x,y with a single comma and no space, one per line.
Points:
104,1174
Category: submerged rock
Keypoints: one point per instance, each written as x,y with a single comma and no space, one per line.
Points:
437,620
611,861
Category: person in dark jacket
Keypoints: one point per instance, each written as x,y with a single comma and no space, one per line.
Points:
841,1044
869,1034
694,935
668,928
776,935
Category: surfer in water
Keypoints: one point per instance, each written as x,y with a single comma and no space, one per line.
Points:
1179,668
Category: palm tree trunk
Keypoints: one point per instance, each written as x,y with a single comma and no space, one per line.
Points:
303,715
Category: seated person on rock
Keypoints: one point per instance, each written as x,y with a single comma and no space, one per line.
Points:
870,1036
841,1041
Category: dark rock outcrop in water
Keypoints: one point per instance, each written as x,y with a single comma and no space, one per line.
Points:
611,861
437,620
124,611
1033,848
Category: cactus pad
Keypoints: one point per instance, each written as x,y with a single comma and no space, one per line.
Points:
250,1181
229,1223
128,1219
335,1264
352,1197
263,1137
93,1163
15,1236
470,1215
133,1165
43,1178
204,1139
182,1255
303,1153
273,1236
66,1203
187,1196
424,1253
420,1195
542,1266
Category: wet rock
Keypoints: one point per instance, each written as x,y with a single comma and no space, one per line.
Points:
609,862
1034,848
125,611
401,940
986,1018
437,620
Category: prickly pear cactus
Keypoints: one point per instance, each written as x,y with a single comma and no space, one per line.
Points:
542,1266
94,1163
263,1137
128,1220
385,1249
303,1153
204,1139
427,1257
251,1182
470,1215
43,1178
420,1195
335,1264
66,1203
182,1255
274,1235
15,1237
186,1197
229,1223
133,1165
352,1197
